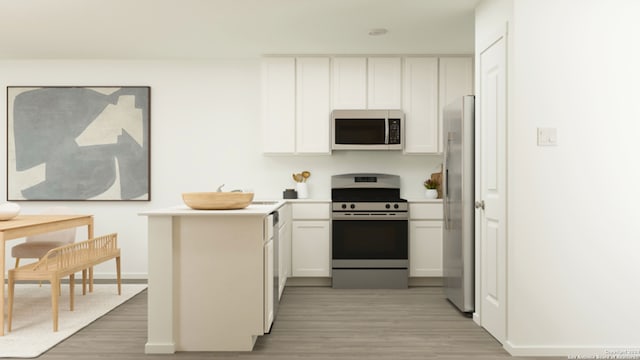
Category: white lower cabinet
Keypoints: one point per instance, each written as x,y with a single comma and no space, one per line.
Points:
425,248
310,248
284,247
425,239
268,285
311,240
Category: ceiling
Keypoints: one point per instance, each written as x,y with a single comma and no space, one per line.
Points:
205,29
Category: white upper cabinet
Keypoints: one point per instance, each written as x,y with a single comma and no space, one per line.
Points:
456,79
313,107
349,83
278,105
384,82
296,105
298,95
420,105
366,83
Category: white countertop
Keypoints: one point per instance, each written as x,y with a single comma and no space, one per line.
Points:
259,208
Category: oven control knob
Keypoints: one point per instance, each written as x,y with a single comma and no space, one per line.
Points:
344,206
353,206
395,206
387,206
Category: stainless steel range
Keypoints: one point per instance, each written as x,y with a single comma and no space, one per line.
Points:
370,247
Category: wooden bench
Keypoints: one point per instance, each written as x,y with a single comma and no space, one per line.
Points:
65,261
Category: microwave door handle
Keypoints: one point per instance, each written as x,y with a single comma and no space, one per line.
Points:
386,130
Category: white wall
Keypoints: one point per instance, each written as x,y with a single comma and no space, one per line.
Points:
573,238
204,132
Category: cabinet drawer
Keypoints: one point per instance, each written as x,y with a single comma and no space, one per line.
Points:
320,211
429,211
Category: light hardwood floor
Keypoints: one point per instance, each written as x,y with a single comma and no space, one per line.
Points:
315,323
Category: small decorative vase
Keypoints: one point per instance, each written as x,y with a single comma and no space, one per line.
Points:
302,190
9,210
431,193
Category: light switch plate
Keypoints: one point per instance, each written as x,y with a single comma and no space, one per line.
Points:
547,136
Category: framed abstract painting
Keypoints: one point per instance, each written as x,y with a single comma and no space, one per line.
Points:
78,143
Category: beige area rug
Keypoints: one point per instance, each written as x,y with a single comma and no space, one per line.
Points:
32,330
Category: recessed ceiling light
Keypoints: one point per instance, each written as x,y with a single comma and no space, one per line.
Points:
377,32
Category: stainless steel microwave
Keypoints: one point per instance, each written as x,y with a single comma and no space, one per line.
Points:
367,129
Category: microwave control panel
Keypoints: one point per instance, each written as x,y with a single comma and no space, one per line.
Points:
394,131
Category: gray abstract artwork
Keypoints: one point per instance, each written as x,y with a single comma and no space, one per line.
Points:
78,143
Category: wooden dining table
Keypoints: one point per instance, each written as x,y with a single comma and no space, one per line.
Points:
26,225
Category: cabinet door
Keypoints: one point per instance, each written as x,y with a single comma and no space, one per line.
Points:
384,83
312,105
420,105
278,105
456,79
425,248
349,83
310,245
268,285
284,256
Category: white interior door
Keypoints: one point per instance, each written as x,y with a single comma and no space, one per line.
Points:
491,202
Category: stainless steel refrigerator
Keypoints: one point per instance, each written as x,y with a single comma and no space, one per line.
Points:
458,201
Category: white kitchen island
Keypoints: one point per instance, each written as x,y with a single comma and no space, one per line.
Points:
206,278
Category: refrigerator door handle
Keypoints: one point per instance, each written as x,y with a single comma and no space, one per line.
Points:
445,200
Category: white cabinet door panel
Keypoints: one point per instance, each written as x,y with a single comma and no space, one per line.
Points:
456,80
349,83
384,83
268,285
312,105
425,248
420,105
278,105
311,248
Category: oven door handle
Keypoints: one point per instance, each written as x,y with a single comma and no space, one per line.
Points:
351,217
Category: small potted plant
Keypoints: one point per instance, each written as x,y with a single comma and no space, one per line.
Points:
431,191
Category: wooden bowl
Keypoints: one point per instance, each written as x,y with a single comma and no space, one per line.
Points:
217,200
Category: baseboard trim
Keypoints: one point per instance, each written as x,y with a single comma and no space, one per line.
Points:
326,281
309,281
159,348
585,352
425,281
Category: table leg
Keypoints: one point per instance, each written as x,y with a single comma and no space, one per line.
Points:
2,245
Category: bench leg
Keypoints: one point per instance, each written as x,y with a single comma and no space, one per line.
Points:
118,275
72,278
55,294
10,303
84,282
91,279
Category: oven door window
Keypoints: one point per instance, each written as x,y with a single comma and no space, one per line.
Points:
370,239
360,131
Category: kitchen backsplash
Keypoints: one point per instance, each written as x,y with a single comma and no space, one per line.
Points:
276,171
